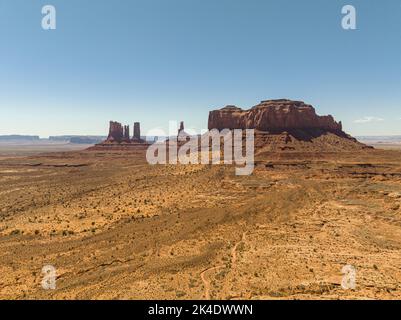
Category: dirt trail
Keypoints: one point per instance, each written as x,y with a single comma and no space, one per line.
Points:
234,249
206,283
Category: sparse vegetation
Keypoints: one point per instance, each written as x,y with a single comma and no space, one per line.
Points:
153,230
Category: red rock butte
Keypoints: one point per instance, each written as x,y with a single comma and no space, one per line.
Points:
272,115
280,126
286,125
119,138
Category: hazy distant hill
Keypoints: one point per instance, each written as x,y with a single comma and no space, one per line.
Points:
78,139
86,140
18,138
380,139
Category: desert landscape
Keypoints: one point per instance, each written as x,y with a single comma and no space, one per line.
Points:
116,227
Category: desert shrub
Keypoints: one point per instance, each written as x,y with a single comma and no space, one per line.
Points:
180,294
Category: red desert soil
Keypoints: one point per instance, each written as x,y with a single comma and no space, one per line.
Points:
117,228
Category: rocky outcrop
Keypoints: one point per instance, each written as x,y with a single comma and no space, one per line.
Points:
119,138
272,115
181,127
116,132
137,131
126,134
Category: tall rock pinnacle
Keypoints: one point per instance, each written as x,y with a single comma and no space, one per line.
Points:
181,127
126,134
137,131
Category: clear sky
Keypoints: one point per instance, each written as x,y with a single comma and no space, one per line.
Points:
158,60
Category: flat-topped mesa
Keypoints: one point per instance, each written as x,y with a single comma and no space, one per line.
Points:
116,133
272,115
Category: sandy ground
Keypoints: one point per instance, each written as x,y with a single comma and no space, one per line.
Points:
115,227
27,149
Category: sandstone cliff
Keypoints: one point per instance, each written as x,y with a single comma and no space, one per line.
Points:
272,115
286,126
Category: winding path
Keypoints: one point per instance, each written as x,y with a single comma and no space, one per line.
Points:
206,282
234,249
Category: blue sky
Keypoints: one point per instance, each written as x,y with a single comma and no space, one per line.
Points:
158,60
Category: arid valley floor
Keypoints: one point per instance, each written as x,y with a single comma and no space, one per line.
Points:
117,228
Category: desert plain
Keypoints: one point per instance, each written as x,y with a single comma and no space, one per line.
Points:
115,227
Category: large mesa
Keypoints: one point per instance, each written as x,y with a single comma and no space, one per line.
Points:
286,125
272,115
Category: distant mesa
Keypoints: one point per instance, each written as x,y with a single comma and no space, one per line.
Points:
86,139
18,138
77,139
